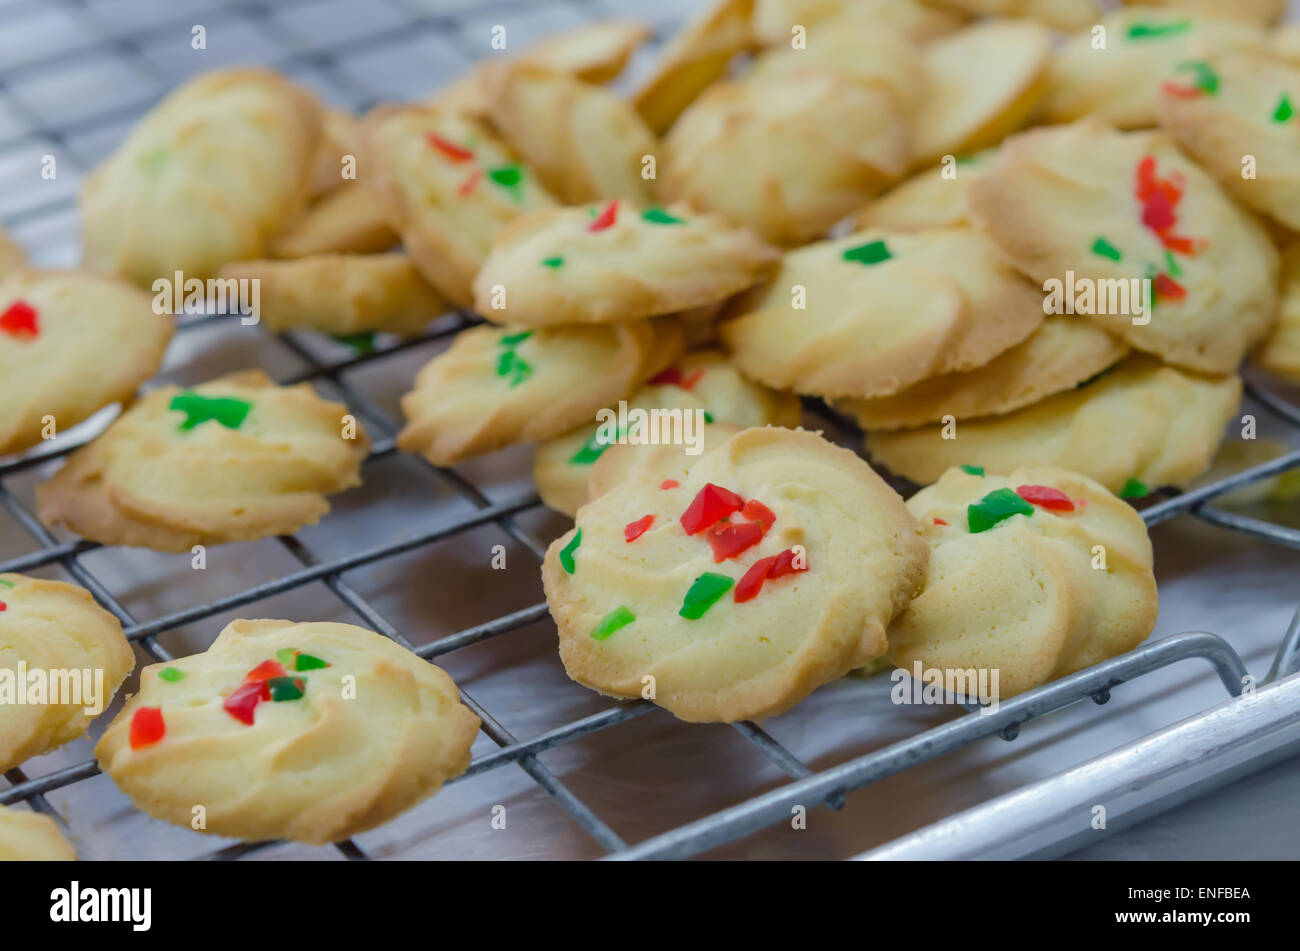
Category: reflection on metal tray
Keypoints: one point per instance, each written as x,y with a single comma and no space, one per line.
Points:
408,554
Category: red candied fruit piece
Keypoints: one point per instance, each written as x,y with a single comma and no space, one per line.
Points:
1044,495
450,149
19,319
606,218
669,484
265,671
756,511
728,541
634,530
147,727
710,505
752,581
785,565
1158,211
670,377
244,700
939,521
1169,289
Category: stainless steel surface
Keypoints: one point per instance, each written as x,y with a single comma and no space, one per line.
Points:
409,553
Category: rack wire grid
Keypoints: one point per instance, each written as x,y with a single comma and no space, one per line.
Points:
74,75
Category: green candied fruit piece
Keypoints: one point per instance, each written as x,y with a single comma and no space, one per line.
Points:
1134,489
226,410
566,553
308,662
1284,110
286,655
557,261
1103,248
611,622
657,216
973,470
703,594
998,506
873,252
1148,31
361,343
286,688
171,674
591,450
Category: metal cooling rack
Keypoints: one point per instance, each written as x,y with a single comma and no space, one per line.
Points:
82,30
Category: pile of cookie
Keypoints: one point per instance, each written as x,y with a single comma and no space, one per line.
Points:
1025,244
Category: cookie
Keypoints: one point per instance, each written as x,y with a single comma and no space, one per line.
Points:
1063,15
615,261
347,220
661,464
62,657
233,459
1060,354
1255,11
27,836
773,568
340,138
1120,81
934,198
774,21
1083,204
1137,427
71,343
695,57
787,156
584,142
342,294
207,177
983,82
497,386
1280,354
882,312
702,380
1034,575
445,184
280,730
1223,110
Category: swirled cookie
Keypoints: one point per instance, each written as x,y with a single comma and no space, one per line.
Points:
1033,575
497,386
1090,209
702,381
71,343
445,183
585,143
774,21
696,56
1239,117
880,312
1141,425
982,83
62,657
664,464
1059,355
1114,71
615,261
935,198
233,459
1255,11
773,568
1280,354
342,293
788,156
205,178
280,730
346,220
1061,14
27,836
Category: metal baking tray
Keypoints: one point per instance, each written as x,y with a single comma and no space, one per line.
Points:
409,553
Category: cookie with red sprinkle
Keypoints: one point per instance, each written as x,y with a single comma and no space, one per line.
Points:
1035,574
771,568
307,731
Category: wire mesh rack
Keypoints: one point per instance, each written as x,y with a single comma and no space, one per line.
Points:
52,102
